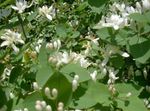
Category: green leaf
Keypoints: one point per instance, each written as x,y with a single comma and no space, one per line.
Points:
44,70
61,30
3,100
96,93
1,68
75,34
97,5
147,16
4,13
82,6
31,99
138,17
6,2
15,73
104,33
75,69
32,16
140,49
133,102
117,61
64,87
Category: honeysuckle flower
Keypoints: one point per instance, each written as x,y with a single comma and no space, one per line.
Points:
93,76
84,62
115,21
10,39
146,4
138,7
54,45
94,40
112,74
57,44
21,5
48,12
38,45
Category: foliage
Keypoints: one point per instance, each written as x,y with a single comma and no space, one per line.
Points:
74,54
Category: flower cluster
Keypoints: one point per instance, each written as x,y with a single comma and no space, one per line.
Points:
54,45
11,38
112,79
41,105
48,12
118,17
21,5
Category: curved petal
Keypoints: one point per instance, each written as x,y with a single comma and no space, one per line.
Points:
5,43
49,17
14,7
15,48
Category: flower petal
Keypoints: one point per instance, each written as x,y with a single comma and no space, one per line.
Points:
5,43
14,7
15,48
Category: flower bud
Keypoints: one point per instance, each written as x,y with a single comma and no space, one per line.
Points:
60,109
49,46
43,104
47,92
35,86
76,77
74,84
61,104
54,93
38,102
129,94
48,108
11,95
38,107
124,54
55,44
25,109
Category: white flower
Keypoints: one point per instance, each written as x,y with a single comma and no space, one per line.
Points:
11,38
93,76
112,75
84,63
21,5
146,4
115,21
138,7
38,45
48,12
